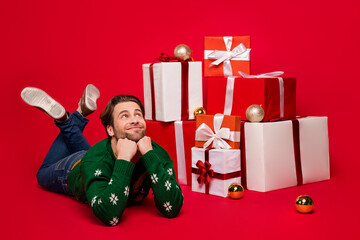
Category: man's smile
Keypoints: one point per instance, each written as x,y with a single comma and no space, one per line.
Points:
134,128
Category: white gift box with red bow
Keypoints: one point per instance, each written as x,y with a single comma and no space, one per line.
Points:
213,171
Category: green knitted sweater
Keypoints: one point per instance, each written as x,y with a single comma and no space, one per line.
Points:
108,184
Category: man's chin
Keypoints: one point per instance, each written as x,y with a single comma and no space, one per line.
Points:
135,137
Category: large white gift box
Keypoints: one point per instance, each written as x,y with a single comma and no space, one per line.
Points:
221,170
283,154
169,83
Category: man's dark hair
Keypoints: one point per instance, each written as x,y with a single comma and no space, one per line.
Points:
107,114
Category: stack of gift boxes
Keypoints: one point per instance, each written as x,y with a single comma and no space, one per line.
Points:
172,91
223,147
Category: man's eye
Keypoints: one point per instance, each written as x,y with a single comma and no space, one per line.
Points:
124,116
139,115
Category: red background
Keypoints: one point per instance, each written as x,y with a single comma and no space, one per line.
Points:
60,46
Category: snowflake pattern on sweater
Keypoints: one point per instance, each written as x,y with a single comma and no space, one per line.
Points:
93,201
97,172
126,192
167,185
113,198
167,206
154,178
114,221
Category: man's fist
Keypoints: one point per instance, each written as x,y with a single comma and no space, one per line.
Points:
126,149
144,145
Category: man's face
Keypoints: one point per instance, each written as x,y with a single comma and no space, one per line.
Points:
128,122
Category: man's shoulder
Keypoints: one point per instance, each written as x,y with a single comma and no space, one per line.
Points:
158,148
101,143
101,148
154,144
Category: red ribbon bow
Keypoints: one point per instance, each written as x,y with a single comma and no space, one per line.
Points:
205,172
164,57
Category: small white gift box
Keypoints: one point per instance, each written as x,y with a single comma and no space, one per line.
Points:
175,88
213,171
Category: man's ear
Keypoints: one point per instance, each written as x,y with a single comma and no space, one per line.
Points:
110,130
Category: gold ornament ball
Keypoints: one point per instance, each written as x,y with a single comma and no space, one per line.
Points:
255,113
235,191
199,110
304,204
182,52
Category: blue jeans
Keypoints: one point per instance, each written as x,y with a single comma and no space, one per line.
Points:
68,147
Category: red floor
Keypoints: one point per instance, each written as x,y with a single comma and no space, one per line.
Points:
30,212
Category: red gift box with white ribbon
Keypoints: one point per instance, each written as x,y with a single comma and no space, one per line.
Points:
217,131
177,138
226,55
232,96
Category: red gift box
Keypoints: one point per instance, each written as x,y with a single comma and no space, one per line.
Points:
217,131
232,96
177,138
226,56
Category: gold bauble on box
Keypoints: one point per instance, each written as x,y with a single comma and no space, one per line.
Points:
182,52
255,113
304,204
199,110
235,191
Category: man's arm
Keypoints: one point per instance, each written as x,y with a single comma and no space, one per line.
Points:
107,188
167,192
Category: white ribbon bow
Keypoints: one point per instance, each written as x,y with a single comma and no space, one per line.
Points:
221,56
205,133
263,75
240,52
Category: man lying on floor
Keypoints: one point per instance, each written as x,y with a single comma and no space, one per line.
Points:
114,172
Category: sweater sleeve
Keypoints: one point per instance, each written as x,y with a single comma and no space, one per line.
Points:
107,188
167,192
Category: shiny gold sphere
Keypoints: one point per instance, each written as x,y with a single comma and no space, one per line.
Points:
235,191
199,110
182,52
304,204
255,113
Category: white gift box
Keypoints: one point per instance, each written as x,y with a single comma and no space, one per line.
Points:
223,161
270,154
167,90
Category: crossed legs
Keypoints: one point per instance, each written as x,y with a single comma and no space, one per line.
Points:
70,145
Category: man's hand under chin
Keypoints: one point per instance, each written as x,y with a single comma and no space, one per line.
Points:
126,149
144,145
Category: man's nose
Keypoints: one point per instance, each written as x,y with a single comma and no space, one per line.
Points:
134,119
